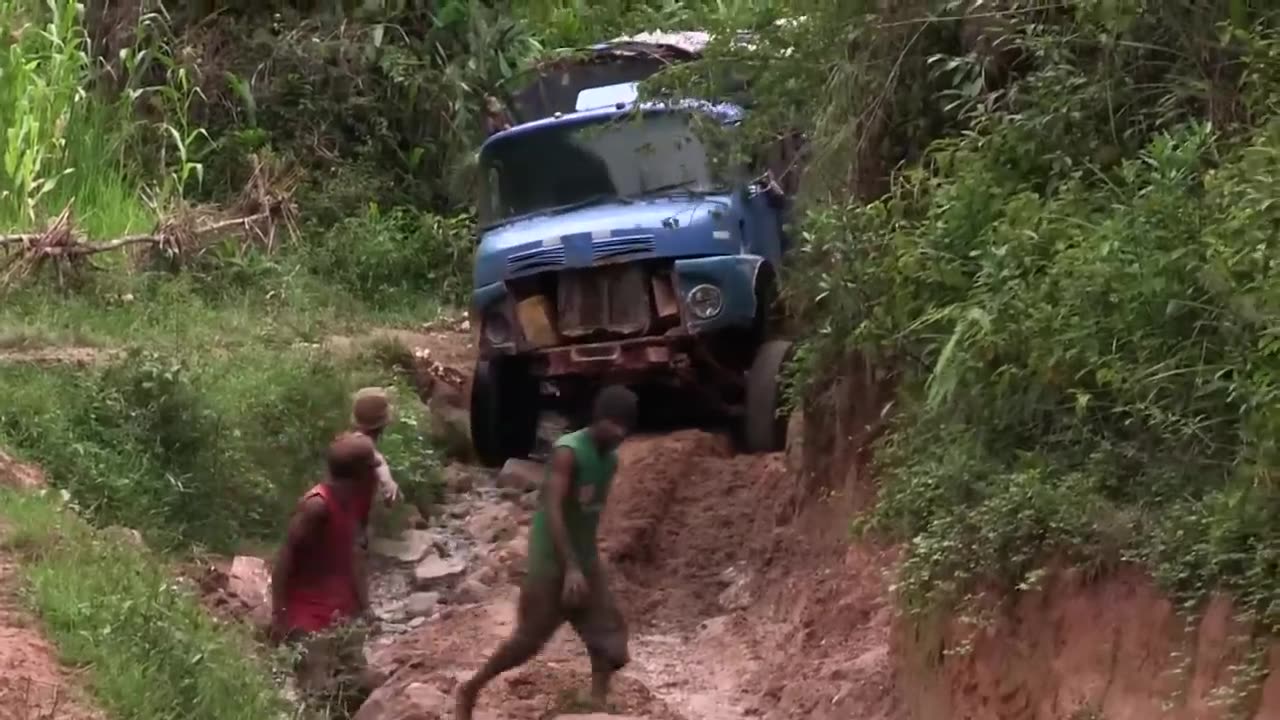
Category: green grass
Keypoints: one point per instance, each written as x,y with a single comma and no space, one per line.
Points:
151,651
208,448
68,145
213,419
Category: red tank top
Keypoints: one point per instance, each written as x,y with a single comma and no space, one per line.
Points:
323,587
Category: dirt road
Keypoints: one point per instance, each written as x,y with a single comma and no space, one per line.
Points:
734,609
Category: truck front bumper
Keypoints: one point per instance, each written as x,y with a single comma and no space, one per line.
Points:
618,359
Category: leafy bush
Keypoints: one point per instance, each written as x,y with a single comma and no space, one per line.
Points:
1083,353
398,258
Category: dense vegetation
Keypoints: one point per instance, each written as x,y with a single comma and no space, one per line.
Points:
1056,225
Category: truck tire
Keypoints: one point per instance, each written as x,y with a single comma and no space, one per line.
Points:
764,425
504,411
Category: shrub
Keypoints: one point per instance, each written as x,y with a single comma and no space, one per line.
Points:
400,258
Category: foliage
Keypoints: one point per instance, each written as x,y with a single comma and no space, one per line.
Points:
59,144
1076,288
207,436
388,259
151,650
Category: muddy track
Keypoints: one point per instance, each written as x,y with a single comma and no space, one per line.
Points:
689,534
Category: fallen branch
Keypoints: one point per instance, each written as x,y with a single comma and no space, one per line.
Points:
265,203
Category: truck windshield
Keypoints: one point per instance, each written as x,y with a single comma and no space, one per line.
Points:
566,167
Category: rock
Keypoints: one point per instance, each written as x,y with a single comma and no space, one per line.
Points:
739,595
522,475
468,592
459,479
600,716
412,546
435,572
124,536
491,524
485,576
421,604
417,622
451,429
249,579
408,703
511,495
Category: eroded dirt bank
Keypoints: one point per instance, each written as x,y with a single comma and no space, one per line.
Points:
1109,648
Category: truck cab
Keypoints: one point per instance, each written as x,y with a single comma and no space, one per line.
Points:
618,246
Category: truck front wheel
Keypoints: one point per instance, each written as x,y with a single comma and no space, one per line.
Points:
764,423
504,410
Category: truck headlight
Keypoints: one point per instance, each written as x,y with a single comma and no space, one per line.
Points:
496,329
705,301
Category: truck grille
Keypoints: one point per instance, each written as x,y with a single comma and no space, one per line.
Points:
617,248
613,300
537,259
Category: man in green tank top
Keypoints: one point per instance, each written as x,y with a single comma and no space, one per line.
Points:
565,582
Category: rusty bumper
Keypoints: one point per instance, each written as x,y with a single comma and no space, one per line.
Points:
631,357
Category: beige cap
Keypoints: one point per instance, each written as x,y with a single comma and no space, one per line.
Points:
371,409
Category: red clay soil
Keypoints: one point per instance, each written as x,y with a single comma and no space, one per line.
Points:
451,648
683,510
817,630
1111,647
33,686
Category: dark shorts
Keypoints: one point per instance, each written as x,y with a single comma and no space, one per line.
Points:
598,622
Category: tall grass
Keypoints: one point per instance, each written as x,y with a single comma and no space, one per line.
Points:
151,651
62,143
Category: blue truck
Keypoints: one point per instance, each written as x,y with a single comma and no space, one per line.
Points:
614,248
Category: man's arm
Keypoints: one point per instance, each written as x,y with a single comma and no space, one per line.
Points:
557,490
307,519
387,487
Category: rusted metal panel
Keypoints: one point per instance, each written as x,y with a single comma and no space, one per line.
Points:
537,321
664,296
612,299
620,358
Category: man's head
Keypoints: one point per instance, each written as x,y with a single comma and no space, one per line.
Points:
352,459
371,411
613,416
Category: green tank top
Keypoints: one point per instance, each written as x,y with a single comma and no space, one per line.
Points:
592,478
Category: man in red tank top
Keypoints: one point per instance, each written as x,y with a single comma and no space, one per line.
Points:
314,585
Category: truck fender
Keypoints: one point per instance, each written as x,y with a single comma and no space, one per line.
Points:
734,275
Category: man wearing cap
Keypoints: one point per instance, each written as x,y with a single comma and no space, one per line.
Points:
370,415
314,585
565,582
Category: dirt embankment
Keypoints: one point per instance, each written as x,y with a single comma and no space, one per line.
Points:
778,599
1080,648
